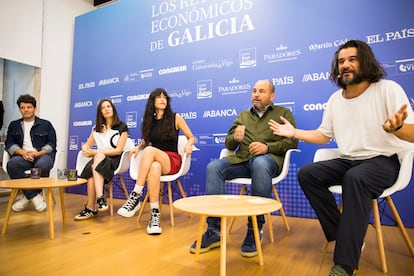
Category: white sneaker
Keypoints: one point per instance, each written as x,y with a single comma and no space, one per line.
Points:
21,204
131,206
38,203
154,227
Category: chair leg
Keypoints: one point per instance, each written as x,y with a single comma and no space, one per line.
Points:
400,225
325,247
380,241
180,187
242,191
141,210
282,211
170,201
161,194
111,196
121,180
269,221
341,207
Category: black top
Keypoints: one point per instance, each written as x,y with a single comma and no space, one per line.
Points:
155,137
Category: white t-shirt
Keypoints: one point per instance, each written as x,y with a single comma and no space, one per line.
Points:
108,139
27,140
356,124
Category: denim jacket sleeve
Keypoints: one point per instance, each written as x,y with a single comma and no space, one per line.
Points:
14,139
43,136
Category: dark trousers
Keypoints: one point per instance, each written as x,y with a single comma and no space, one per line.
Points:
17,166
362,181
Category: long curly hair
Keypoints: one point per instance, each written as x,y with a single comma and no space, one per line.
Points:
100,120
168,126
371,69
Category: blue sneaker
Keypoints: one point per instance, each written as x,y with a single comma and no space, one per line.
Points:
248,248
210,240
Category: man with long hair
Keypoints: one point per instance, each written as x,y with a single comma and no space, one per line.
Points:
371,121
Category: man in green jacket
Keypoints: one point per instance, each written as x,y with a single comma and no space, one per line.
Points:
259,156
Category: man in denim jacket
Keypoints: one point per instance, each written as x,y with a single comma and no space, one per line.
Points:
31,143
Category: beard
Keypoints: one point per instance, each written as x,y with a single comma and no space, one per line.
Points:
259,106
356,79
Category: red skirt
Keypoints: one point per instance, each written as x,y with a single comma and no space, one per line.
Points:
175,161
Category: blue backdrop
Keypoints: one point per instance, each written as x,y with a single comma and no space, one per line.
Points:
209,54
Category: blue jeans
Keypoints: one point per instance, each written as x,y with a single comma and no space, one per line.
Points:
261,169
17,166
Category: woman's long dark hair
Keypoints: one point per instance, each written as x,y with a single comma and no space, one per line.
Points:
100,120
168,130
371,69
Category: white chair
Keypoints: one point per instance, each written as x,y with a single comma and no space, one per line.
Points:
402,181
185,167
248,181
6,158
123,166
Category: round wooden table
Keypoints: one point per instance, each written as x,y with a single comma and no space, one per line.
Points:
224,206
42,183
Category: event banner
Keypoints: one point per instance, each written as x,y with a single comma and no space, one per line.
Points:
208,54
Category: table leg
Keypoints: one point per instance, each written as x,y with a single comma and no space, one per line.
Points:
62,204
223,243
50,209
8,211
199,236
257,240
